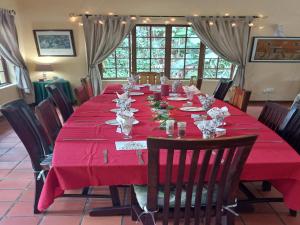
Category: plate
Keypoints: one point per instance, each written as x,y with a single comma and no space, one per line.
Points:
115,122
131,110
177,98
115,100
192,109
135,93
174,94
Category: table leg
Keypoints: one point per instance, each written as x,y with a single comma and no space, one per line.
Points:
115,197
293,213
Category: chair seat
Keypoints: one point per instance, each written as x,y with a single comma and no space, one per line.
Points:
47,162
141,196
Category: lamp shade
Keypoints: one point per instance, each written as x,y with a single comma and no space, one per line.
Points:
43,67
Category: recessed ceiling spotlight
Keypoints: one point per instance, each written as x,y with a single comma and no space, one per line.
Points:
87,12
167,22
80,24
145,21
148,19
123,22
111,14
260,15
251,24
226,14
233,24
195,15
73,18
261,27
173,19
190,23
100,22
133,17
210,23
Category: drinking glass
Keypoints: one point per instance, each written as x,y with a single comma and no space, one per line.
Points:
170,127
126,129
181,129
190,95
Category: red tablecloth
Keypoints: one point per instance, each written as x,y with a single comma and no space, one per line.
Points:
78,164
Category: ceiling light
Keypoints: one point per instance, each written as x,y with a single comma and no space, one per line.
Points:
87,12
190,23
195,15
233,24
123,22
261,27
251,24
80,24
167,22
226,14
100,22
111,14
133,17
173,19
260,15
73,18
145,21
211,23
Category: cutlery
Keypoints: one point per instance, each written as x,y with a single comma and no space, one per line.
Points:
105,155
85,139
140,157
245,128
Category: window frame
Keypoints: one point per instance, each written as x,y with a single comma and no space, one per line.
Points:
167,59
5,71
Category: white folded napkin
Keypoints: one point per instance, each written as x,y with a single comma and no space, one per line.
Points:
125,95
206,101
208,128
216,112
191,88
164,80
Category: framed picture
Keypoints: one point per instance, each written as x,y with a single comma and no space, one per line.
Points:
275,49
54,42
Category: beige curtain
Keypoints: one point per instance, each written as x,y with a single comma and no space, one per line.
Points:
227,41
103,34
9,50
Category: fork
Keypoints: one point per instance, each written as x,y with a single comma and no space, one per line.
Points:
105,155
140,157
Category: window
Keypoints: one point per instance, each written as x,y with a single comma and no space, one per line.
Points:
117,65
216,67
184,52
175,50
3,72
150,48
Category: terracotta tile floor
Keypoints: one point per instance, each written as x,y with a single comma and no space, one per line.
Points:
17,189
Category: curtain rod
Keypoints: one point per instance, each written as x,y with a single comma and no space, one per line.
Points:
155,16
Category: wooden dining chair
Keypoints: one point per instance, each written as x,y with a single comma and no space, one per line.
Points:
200,179
272,115
47,115
194,80
222,88
32,135
240,98
61,101
81,95
149,78
87,84
289,130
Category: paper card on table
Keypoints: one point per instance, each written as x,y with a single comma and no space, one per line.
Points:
131,145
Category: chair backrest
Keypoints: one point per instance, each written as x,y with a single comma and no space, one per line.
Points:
81,95
289,130
28,129
149,78
87,84
222,89
61,101
195,81
240,98
47,115
273,114
202,164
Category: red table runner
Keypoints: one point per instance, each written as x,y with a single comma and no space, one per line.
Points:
78,164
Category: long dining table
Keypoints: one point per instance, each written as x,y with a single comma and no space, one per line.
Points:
80,148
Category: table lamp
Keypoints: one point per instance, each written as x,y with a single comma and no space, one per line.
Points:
43,68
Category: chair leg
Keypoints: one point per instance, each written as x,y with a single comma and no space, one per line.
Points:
85,191
293,213
38,189
266,186
115,198
230,218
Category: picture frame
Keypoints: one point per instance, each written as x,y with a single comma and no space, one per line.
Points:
275,49
56,43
